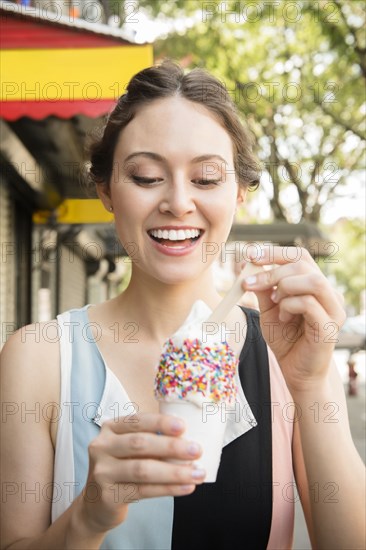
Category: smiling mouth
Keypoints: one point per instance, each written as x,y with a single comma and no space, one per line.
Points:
175,238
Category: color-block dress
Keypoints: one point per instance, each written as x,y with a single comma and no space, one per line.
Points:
251,505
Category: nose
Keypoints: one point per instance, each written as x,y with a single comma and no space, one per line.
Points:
178,199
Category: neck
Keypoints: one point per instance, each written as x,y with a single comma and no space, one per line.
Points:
159,308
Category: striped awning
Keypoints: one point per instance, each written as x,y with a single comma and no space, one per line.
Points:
52,67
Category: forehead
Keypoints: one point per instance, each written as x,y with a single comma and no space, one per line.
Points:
175,127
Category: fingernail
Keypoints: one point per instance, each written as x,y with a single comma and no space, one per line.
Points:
193,449
251,280
177,425
198,473
187,488
256,253
274,297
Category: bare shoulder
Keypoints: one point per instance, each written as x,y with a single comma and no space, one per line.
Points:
30,362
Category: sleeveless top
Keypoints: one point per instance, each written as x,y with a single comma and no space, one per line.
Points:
252,501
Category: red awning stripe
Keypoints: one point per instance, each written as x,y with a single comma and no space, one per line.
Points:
12,110
24,33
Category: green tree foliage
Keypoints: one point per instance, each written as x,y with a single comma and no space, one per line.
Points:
348,264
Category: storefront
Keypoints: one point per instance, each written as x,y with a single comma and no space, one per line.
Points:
60,77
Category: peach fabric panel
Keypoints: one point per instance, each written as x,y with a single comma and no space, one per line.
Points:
284,489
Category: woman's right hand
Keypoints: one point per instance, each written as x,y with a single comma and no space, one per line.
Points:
128,462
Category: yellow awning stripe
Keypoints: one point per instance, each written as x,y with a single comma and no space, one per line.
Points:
77,211
70,74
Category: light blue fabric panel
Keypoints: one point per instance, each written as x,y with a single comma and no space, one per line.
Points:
149,522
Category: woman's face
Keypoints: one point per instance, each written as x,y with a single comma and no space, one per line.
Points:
173,189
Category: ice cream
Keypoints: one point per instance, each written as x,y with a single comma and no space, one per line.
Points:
196,374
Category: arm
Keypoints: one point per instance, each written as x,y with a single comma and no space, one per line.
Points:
299,310
329,472
29,384
123,453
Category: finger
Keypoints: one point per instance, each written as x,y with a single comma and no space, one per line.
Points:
282,280
151,491
339,296
150,471
280,255
265,280
146,422
314,284
133,492
307,306
148,445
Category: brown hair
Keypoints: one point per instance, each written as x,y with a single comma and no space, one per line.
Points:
167,80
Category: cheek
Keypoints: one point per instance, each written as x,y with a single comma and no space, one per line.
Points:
128,203
220,213
132,210
225,203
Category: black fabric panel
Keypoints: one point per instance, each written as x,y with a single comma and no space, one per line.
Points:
236,511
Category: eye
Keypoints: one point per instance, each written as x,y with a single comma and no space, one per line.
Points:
145,181
206,182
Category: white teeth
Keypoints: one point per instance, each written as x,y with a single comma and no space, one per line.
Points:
175,235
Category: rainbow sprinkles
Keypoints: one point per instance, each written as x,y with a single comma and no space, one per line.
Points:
196,372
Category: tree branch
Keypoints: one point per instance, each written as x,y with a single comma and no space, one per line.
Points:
318,159
360,51
303,195
341,122
275,163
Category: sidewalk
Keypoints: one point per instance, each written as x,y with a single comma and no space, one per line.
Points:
357,418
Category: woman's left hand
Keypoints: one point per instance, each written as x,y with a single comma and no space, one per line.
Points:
301,314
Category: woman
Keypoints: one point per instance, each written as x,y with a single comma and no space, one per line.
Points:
172,165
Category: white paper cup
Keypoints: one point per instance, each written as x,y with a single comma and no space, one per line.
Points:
204,426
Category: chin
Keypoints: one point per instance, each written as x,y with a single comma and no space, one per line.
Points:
178,277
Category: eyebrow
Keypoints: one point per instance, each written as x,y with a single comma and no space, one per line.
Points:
159,158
